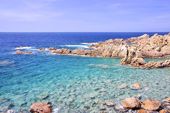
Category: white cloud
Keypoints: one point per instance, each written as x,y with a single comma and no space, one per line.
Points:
28,15
30,10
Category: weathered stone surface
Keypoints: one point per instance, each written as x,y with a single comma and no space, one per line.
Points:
167,99
145,111
160,64
151,104
130,103
41,107
165,105
164,111
132,50
137,62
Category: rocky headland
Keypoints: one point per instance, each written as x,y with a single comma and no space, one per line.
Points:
132,51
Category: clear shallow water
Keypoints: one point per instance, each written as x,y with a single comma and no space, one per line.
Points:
71,83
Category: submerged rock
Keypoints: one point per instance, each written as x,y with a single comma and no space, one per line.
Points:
131,103
123,86
109,103
136,86
151,104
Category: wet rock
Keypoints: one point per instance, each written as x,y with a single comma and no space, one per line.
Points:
165,105
41,107
109,103
60,51
164,111
137,62
80,52
166,100
19,52
142,111
120,108
136,86
52,48
151,104
131,103
145,111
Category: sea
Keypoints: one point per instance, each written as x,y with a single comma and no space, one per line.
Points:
73,84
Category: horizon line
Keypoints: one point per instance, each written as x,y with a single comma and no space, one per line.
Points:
85,32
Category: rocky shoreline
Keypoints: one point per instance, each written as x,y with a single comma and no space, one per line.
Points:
132,51
128,105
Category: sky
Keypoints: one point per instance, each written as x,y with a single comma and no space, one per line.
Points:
84,15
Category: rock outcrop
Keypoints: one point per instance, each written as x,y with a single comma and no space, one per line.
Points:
132,50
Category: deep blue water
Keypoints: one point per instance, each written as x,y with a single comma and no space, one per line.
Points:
69,82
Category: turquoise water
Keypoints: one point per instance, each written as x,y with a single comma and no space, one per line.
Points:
73,84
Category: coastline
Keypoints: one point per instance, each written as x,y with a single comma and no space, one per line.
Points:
132,51
81,52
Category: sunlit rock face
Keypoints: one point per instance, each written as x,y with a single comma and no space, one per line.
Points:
132,50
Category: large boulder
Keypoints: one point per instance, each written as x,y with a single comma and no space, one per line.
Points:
164,111
151,104
130,103
41,107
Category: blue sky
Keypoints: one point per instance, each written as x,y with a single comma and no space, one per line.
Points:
84,15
